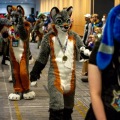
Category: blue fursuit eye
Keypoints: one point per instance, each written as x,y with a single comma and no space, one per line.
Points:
68,21
59,21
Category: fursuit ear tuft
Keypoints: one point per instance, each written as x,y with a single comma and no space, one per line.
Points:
9,9
70,10
54,11
20,10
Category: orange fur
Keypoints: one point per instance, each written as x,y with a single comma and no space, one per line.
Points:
57,81
27,25
20,70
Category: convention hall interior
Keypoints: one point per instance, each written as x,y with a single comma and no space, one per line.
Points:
38,108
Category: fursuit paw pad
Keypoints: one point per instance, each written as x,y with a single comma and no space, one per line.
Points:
15,96
29,95
34,84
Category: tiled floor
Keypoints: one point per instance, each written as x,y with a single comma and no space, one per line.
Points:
37,109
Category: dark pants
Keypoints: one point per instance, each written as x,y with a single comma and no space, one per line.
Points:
5,51
63,114
110,114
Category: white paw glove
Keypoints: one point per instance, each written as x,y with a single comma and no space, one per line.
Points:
14,96
34,84
29,95
82,49
87,52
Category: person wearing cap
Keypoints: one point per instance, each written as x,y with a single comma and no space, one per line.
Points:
87,28
87,31
104,72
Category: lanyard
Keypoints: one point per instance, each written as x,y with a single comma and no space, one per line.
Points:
64,58
65,46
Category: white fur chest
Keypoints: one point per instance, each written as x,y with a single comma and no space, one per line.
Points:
18,51
65,68
69,52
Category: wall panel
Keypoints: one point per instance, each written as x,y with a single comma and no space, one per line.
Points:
56,3
27,7
66,3
80,9
52,3
117,2
101,8
71,2
60,4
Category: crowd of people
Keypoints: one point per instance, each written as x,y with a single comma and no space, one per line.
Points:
99,52
93,31
104,71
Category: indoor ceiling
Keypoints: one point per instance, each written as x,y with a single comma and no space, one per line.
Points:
16,1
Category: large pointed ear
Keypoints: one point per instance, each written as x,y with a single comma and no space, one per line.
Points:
54,11
69,10
9,9
20,10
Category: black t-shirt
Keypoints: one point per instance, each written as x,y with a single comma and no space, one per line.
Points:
110,85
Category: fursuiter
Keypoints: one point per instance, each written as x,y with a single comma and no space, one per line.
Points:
19,53
62,47
38,28
4,25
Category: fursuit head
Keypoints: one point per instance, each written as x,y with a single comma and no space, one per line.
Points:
14,12
61,19
19,31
